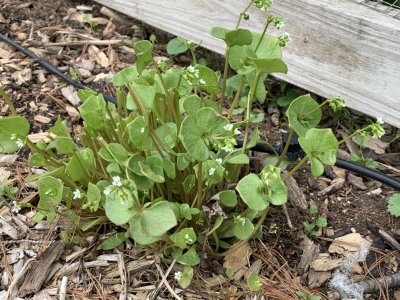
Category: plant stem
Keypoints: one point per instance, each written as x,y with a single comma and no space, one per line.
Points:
284,151
199,184
262,36
237,97
312,111
243,13
249,105
221,101
8,101
300,163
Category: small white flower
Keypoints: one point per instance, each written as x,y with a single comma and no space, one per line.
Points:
117,181
77,194
106,191
228,127
190,69
211,171
202,81
241,220
13,136
379,120
16,208
188,240
237,131
219,160
227,149
344,105
19,143
177,275
142,130
280,24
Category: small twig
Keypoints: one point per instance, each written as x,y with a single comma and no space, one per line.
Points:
16,278
122,274
6,265
287,216
63,288
83,42
164,280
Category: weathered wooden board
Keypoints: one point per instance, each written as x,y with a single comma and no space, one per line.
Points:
338,47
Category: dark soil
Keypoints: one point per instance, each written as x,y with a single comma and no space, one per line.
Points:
32,24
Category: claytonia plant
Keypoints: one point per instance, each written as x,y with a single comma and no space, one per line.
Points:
158,164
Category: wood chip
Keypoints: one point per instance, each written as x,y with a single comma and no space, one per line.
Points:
238,258
8,229
325,264
36,137
42,119
317,278
23,76
335,185
310,253
347,243
37,275
71,94
357,182
99,56
296,195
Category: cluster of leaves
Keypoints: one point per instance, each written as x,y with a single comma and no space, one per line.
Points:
159,164
316,222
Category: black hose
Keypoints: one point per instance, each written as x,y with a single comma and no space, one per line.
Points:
48,66
361,170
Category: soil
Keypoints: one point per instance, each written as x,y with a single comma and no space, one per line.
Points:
359,204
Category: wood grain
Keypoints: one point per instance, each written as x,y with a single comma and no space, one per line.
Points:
338,47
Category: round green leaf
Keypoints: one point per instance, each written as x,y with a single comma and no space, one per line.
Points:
93,111
190,258
137,233
249,190
206,124
50,190
315,141
299,108
17,126
243,230
157,219
118,211
228,198
176,46
125,76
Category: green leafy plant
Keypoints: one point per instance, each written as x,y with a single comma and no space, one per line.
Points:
316,222
307,296
359,159
287,95
74,75
93,24
159,163
394,205
9,193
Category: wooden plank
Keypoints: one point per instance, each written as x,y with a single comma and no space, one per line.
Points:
338,47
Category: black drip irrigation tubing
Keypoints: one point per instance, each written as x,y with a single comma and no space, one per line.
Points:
344,164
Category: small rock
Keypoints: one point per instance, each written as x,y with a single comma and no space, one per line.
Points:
357,182
376,192
313,183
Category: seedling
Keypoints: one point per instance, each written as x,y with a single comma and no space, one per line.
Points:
316,222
